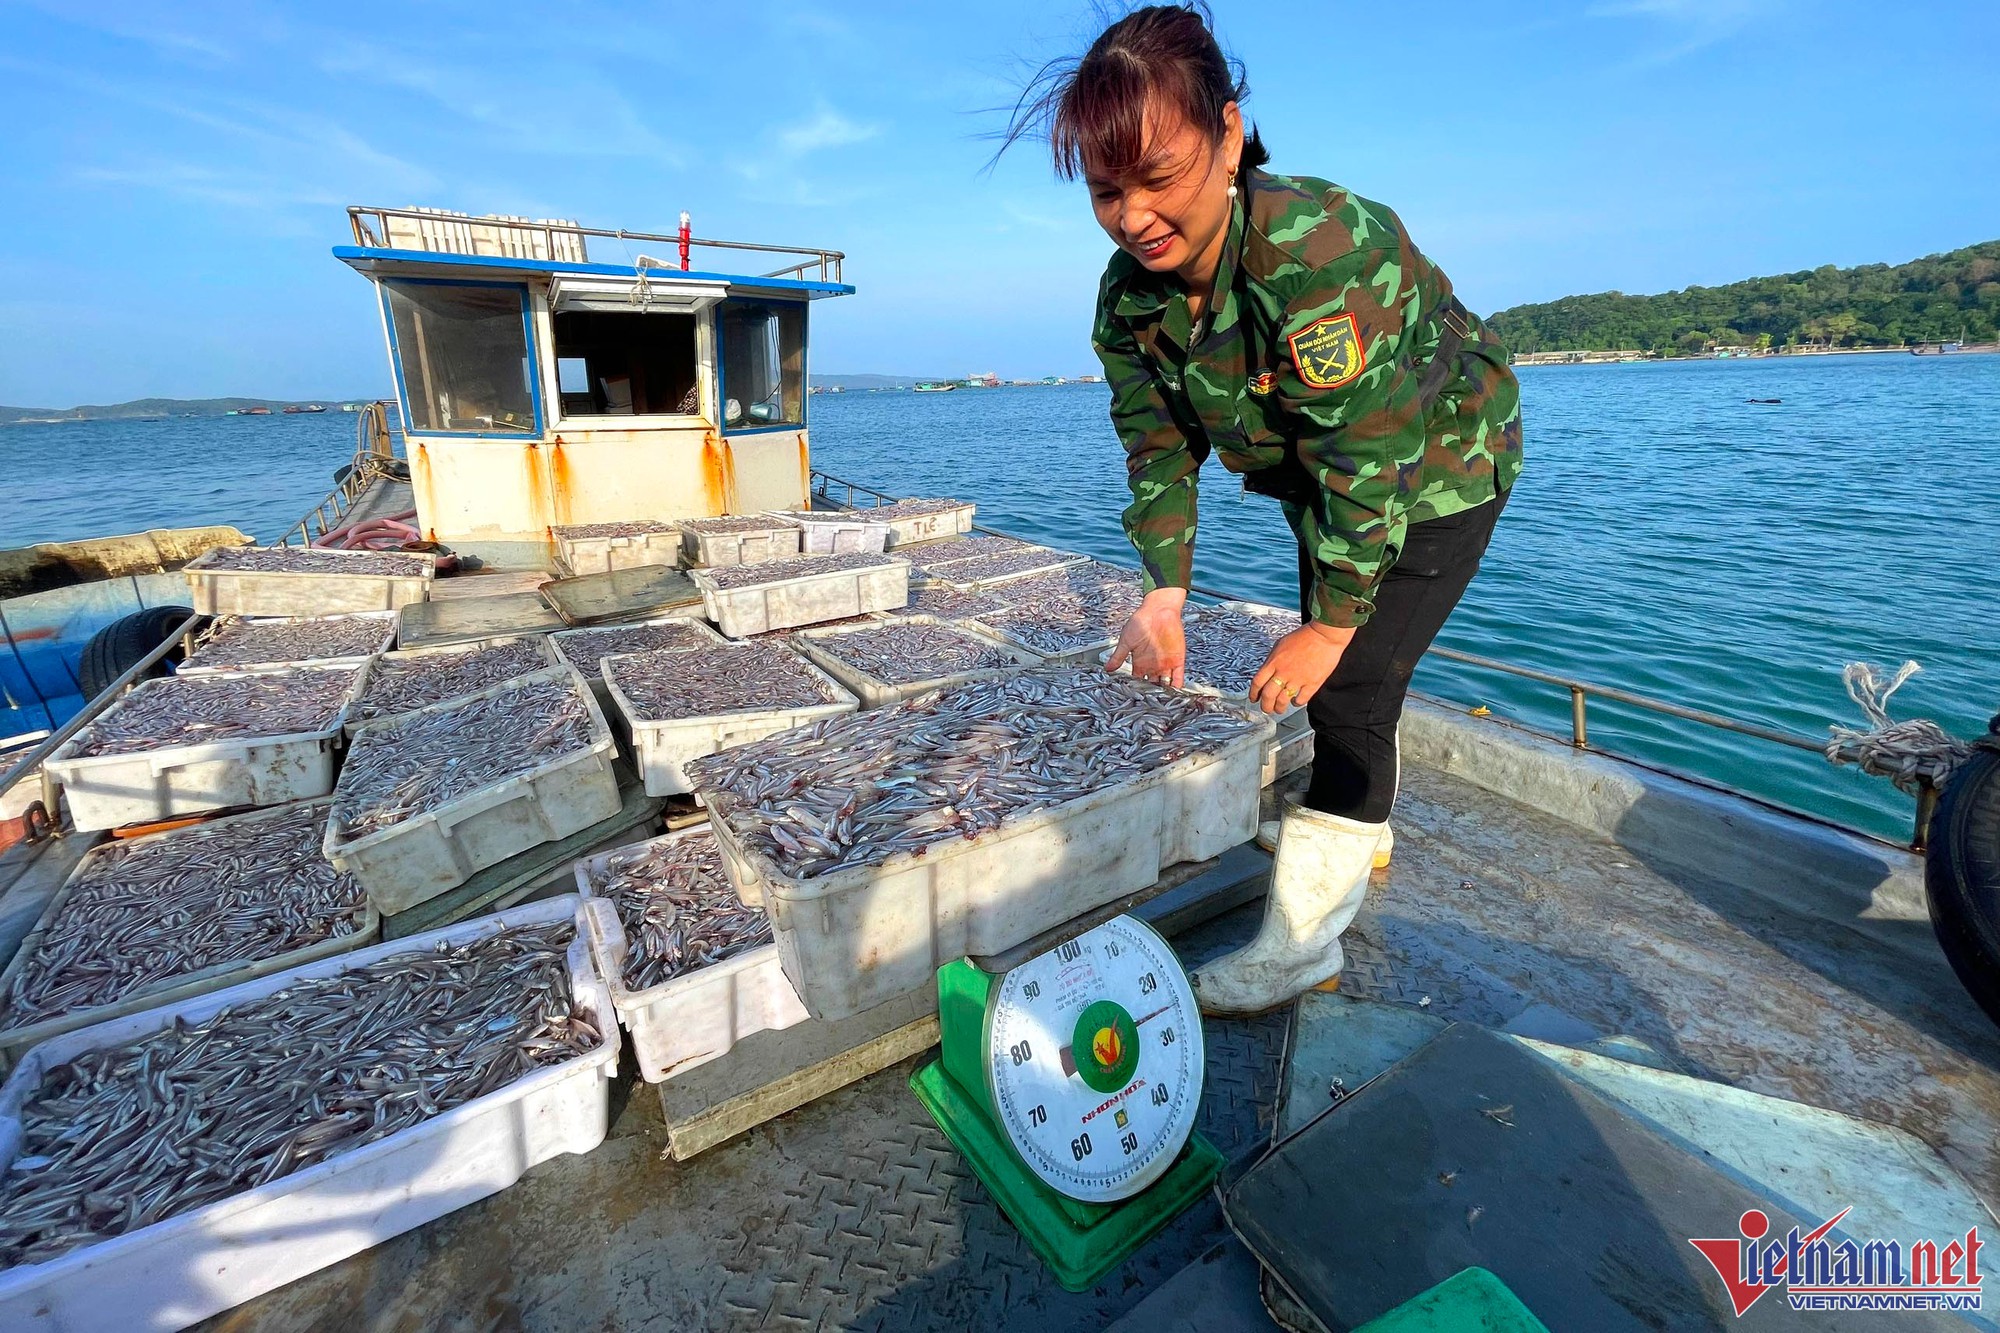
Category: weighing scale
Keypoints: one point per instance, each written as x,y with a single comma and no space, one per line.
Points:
1070,1084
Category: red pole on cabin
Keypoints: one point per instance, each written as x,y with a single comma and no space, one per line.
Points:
687,238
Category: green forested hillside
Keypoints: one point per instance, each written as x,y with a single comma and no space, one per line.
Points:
1937,298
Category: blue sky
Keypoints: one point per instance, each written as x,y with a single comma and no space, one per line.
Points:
175,173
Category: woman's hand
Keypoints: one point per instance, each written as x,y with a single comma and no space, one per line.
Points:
1298,666
1153,640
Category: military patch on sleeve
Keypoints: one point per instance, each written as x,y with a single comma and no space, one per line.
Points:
1328,352
1263,382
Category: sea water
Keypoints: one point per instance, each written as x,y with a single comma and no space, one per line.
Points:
1668,536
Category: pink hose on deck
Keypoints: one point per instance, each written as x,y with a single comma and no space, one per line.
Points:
373,534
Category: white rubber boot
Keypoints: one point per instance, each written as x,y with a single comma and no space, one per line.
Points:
1267,838
1317,884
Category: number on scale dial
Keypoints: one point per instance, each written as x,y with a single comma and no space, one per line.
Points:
1094,1054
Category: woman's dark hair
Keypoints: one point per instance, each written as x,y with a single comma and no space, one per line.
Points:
1093,111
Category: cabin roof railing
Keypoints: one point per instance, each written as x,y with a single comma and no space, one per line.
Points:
447,232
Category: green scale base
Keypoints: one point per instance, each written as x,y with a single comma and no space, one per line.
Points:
1080,1242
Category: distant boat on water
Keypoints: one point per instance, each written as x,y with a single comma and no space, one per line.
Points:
252,412
935,386
298,410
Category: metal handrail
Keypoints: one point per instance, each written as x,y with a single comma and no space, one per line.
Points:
822,259
31,761
373,441
1580,691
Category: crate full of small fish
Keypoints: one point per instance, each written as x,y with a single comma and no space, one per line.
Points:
922,520
144,922
806,590
183,745
599,548
935,597
837,531
1071,614
968,820
1227,645
306,581
933,557
413,678
429,798
237,643
994,571
892,660
737,539
691,968
683,704
586,649
165,1166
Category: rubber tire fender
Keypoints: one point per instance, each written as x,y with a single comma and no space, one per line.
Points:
119,646
1962,875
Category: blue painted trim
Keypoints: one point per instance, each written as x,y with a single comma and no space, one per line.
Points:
358,256
528,341
760,430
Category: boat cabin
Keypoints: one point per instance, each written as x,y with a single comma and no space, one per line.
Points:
541,386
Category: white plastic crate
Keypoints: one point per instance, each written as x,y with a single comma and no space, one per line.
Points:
700,1016
105,791
749,547
168,990
443,847
585,552
822,646
852,939
847,532
384,641
806,599
906,527
1291,748
246,592
210,1259
663,749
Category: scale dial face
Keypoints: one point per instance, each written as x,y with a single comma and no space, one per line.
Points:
1094,1057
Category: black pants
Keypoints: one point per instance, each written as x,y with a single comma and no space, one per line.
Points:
1354,715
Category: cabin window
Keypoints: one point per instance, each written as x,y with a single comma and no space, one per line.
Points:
763,364
627,363
462,349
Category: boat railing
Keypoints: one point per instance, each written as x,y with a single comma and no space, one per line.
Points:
1580,691
374,443
372,228
31,762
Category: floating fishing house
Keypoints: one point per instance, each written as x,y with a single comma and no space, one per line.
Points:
542,385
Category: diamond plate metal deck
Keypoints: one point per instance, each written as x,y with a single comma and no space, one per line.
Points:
852,1213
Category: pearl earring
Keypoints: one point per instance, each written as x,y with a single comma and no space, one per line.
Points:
1232,185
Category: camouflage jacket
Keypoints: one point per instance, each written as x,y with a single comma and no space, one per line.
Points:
1304,377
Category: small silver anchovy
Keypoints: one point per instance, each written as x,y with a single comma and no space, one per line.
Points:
584,649
856,789
716,679
677,907
905,653
730,577
638,527
1069,609
309,560
125,1136
234,641
401,768
935,555
141,913
398,684
1227,647
194,710
935,597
